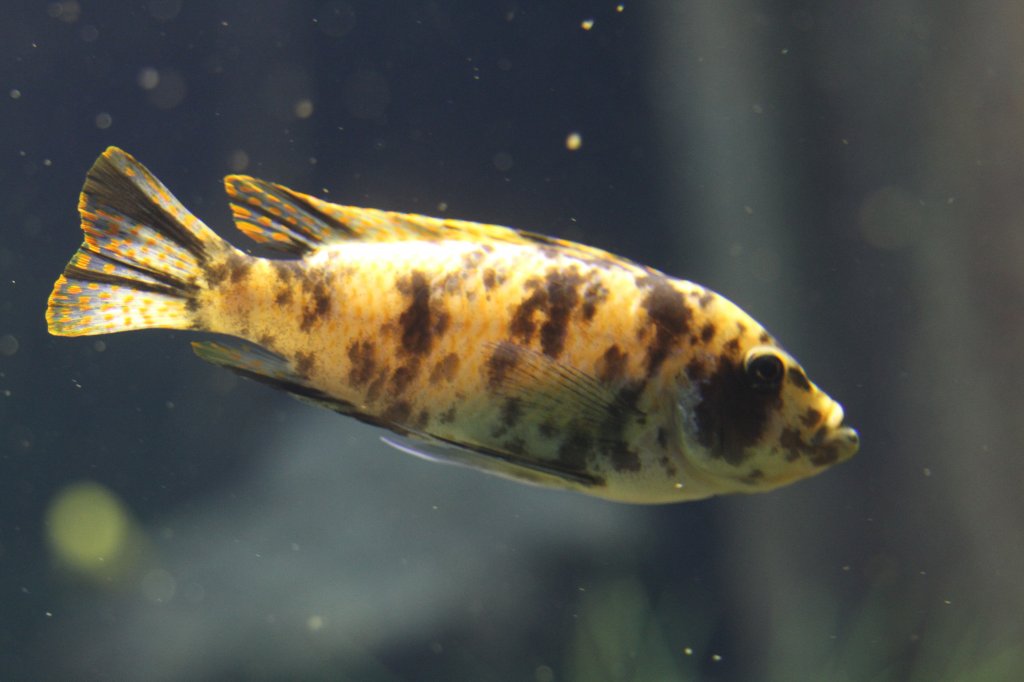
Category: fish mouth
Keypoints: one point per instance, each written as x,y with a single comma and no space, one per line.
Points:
843,438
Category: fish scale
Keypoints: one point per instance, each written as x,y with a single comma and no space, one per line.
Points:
526,356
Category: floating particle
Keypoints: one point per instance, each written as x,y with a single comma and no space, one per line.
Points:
587,24
169,90
503,161
573,141
8,345
238,161
303,108
158,586
148,78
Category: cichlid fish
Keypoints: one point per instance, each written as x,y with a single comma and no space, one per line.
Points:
530,357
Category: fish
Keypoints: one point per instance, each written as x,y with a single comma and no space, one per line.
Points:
538,359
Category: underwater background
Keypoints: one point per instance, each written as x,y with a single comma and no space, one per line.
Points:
851,174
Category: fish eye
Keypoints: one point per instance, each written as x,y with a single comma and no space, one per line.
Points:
764,370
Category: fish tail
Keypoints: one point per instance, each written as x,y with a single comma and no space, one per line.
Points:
142,264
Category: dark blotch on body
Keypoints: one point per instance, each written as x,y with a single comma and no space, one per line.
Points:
625,459
235,267
488,279
239,266
448,416
376,386
667,311
612,365
422,419
319,304
730,415
516,446
304,364
811,417
823,456
502,361
472,259
621,413
696,370
445,369
216,273
521,325
562,297
816,454
287,270
556,297
361,355
791,441
575,450
798,378
397,412
403,376
593,296
415,323
670,469
283,296
441,321
511,412
547,429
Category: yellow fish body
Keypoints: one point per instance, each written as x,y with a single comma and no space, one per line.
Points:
531,357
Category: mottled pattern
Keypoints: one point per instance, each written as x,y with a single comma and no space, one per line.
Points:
536,358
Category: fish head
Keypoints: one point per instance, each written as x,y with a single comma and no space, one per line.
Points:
751,420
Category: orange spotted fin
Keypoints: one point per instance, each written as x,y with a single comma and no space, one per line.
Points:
142,259
297,223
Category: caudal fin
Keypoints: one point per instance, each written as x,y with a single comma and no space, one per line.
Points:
142,262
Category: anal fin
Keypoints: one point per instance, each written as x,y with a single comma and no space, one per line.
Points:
266,367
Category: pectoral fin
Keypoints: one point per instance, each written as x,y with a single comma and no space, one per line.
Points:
553,389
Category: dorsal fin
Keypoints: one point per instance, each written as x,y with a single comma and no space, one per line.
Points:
297,223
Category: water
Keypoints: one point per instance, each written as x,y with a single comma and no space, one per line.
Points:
850,175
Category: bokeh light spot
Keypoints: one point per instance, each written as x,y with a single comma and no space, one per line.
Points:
86,526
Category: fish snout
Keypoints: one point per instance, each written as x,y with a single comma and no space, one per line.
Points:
843,440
